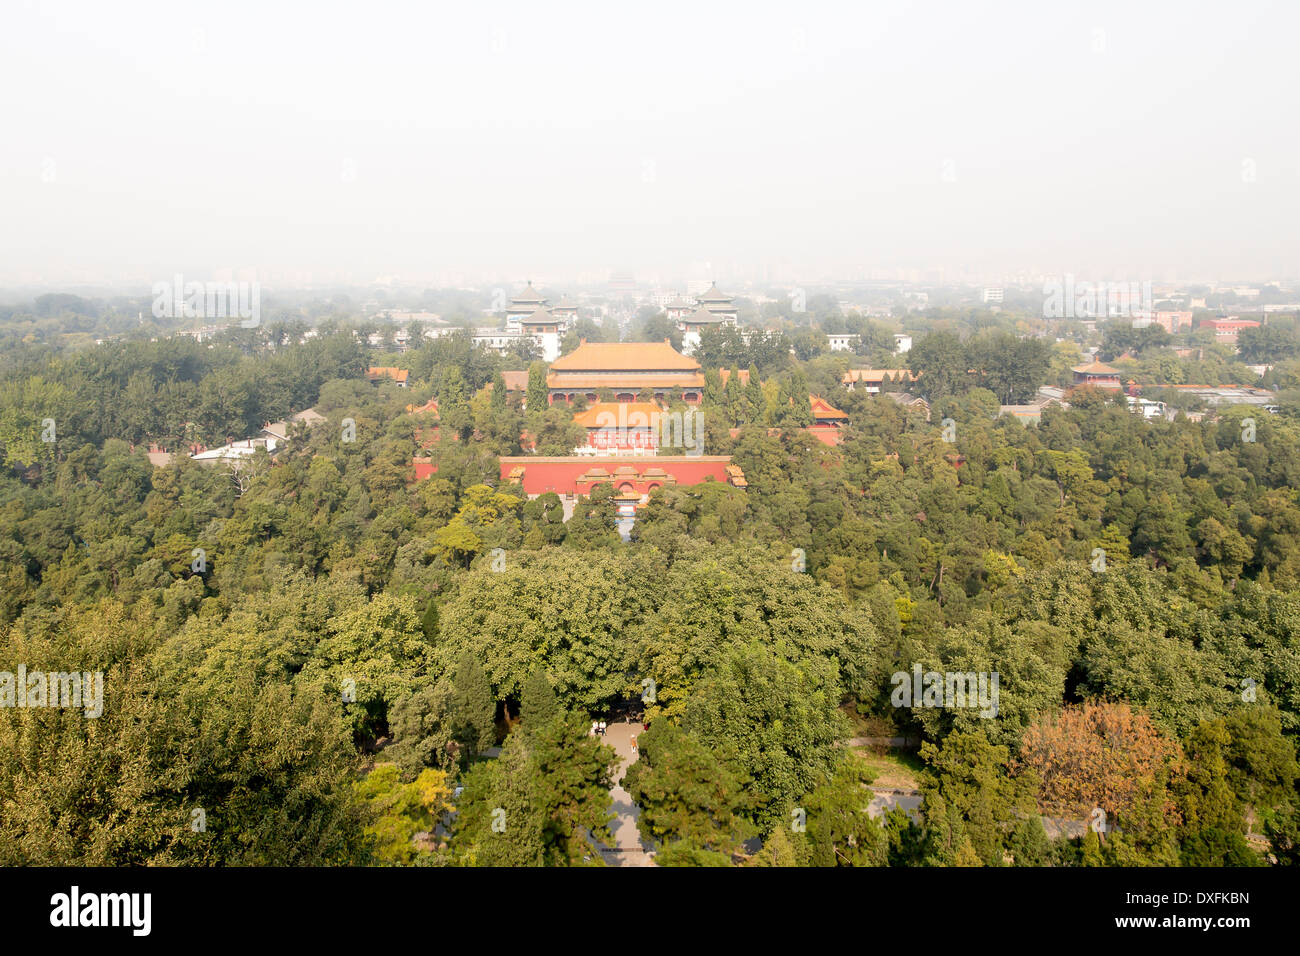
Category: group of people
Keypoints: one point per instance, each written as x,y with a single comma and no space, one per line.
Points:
598,728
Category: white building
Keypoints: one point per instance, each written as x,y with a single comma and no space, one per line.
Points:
498,340
544,327
502,341
1148,408
843,343
902,343
692,325
236,450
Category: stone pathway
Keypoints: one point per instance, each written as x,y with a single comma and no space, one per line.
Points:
628,850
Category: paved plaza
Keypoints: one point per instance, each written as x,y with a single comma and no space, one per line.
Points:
628,849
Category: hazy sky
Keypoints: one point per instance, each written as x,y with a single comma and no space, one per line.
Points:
562,139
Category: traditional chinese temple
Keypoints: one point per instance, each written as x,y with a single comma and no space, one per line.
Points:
1096,374
720,304
627,369
827,421
525,304
620,428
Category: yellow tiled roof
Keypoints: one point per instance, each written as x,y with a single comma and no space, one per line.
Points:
618,414
1096,368
624,356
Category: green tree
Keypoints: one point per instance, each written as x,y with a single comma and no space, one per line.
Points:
536,804
536,396
838,830
685,793
940,363
538,704
967,783
402,811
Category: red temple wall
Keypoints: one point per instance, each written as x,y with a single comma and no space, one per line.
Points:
561,474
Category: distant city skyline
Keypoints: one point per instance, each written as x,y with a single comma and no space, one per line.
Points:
612,282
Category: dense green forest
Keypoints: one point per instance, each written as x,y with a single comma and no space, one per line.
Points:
332,668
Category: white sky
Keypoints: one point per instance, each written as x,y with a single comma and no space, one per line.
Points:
566,139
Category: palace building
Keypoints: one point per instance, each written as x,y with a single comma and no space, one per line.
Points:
627,369
633,479
620,428
1096,374
827,421
826,415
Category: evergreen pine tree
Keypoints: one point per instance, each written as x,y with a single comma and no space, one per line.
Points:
473,707
538,703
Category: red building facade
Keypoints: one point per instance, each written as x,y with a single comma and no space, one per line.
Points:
574,475
1227,330
621,427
